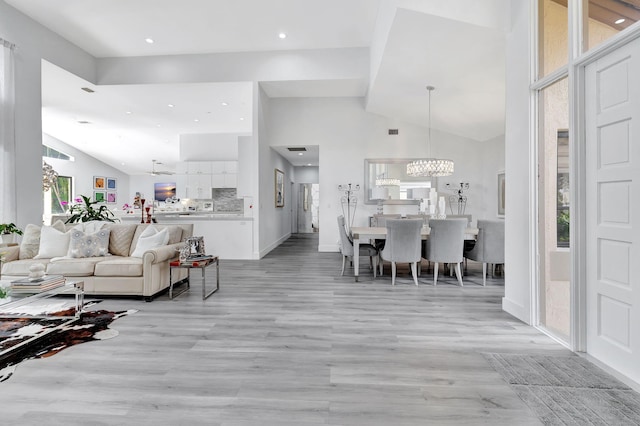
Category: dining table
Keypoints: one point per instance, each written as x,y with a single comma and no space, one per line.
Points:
366,233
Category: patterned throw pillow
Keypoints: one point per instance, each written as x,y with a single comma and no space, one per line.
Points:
89,245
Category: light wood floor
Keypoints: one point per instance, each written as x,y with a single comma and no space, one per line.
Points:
288,341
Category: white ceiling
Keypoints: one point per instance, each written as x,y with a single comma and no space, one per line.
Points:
456,45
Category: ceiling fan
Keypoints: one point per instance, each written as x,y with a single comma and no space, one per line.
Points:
155,172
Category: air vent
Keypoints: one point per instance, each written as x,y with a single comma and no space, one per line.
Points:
88,90
393,131
297,149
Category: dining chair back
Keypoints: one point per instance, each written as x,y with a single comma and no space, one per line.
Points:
445,244
347,249
489,247
423,217
403,245
380,220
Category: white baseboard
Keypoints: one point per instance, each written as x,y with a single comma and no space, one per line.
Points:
265,251
516,310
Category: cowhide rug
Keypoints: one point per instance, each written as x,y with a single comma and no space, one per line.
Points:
92,325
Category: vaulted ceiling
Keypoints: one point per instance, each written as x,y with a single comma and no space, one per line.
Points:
457,46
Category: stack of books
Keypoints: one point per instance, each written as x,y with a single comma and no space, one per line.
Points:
194,261
37,285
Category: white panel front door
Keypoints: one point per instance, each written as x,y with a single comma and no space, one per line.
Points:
612,104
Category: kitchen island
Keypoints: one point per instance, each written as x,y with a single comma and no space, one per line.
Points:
227,235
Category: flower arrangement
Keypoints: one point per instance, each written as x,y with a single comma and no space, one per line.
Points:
85,210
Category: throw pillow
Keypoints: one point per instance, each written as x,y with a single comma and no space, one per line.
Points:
149,239
31,239
53,243
88,245
120,238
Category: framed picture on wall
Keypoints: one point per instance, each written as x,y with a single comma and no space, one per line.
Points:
99,182
112,184
112,197
99,196
501,194
279,193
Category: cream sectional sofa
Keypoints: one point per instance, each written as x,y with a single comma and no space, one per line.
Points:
115,272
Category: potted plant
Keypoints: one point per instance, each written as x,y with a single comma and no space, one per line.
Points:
86,210
9,231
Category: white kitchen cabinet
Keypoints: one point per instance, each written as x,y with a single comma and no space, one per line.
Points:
199,167
224,174
199,186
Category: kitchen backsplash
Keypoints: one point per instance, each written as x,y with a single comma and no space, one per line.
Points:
225,200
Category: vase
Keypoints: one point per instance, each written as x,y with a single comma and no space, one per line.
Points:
8,238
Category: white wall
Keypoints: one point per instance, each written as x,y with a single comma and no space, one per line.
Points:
519,209
208,147
34,43
347,134
84,168
275,222
307,174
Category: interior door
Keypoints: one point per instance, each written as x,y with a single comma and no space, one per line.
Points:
612,102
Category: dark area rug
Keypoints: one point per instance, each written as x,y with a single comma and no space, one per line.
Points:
568,390
92,325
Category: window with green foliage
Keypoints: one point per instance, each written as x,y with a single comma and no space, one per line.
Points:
61,195
562,209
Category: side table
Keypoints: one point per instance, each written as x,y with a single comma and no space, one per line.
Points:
198,264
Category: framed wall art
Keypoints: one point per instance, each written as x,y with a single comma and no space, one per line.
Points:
279,193
112,197
99,196
112,184
99,182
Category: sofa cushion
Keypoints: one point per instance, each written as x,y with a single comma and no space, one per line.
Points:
53,243
149,239
31,239
175,234
88,244
120,238
119,267
71,267
21,267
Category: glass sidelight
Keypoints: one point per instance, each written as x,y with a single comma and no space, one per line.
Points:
553,210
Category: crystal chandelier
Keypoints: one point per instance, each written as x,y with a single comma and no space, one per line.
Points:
432,167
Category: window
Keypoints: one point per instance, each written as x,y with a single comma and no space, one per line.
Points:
553,36
607,18
61,194
562,208
49,152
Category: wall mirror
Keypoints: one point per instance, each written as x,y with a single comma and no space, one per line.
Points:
386,179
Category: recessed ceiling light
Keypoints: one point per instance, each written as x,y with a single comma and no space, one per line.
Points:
300,153
620,21
149,40
282,35
241,118
170,105
224,104
309,164
128,112
122,164
196,120
158,125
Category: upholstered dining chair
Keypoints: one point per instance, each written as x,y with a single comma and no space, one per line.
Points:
380,220
403,245
445,244
347,249
489,247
